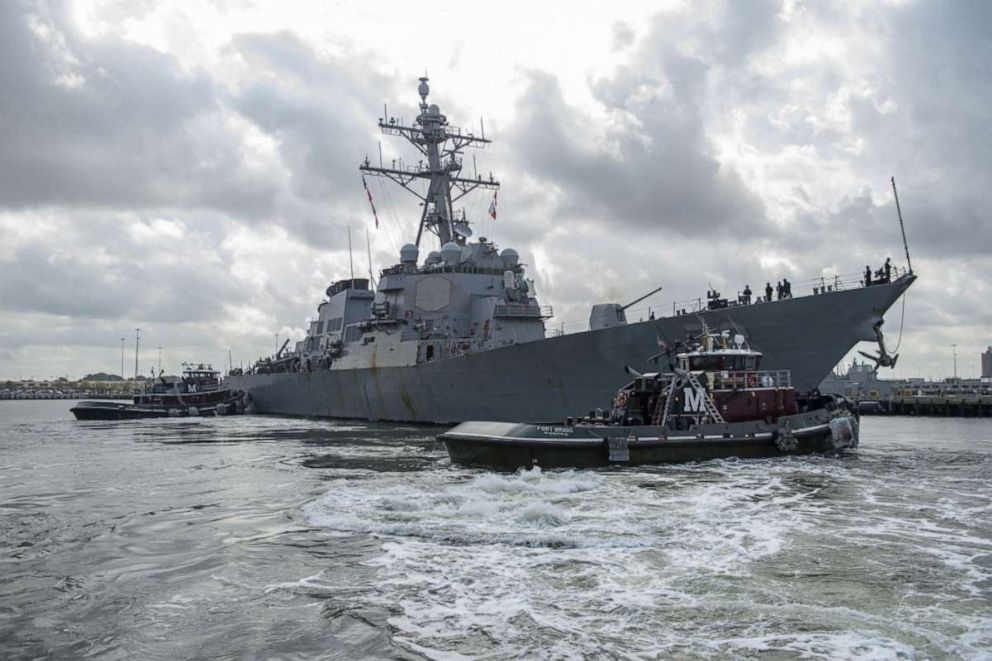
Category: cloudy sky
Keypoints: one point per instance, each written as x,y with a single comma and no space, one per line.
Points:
190,168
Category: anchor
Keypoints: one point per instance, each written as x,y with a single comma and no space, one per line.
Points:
884,358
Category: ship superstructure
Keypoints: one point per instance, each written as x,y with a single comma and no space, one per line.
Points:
458,333
465,297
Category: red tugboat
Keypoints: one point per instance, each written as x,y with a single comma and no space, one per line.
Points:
199,392
713,402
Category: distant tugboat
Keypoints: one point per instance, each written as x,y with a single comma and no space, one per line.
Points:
713,403
198,393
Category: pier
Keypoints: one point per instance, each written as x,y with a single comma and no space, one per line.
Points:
965,405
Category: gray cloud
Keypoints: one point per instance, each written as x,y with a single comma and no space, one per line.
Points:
653,172
107,123
90,265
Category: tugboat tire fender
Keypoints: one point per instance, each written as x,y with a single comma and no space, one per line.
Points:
785,440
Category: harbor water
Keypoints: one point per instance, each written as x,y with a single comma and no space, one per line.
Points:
258,537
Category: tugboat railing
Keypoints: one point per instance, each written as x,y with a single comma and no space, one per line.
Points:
722,380
752,380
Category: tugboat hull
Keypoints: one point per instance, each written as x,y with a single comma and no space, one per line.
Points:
507,446
114,411
117,411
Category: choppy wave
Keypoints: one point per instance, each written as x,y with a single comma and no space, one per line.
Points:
817,557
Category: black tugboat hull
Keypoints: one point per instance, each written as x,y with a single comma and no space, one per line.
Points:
117,411
508,447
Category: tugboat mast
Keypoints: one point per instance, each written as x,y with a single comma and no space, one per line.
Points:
442,144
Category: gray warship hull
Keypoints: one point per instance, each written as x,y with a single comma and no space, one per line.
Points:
568,375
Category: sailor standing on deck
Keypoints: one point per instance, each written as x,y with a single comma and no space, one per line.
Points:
768,292
778,290
867,276
747,294
888,269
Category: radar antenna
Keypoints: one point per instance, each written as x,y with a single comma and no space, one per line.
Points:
442,145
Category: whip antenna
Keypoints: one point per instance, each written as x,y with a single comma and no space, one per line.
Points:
902,227
351,262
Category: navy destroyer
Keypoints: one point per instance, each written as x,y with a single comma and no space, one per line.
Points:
460,334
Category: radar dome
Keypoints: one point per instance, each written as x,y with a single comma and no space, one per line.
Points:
451,253
409,254
433,257
509,257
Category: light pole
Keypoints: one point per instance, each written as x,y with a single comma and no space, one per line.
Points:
954,347
137,342
122,360
160,360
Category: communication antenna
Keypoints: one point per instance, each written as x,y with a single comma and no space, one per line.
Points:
351,263
902,227
368,246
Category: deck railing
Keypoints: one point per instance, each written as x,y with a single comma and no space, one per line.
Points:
752,380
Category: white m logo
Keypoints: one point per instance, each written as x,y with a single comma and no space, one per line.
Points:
694,399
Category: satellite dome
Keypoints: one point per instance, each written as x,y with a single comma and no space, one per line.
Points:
409,254
509,257
451,253
433,257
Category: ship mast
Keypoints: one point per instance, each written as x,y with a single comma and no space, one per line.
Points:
442,145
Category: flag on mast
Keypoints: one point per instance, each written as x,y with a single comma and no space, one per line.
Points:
372,204
492,206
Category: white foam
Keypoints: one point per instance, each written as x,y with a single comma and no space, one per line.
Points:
671,561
